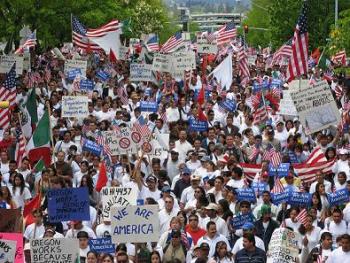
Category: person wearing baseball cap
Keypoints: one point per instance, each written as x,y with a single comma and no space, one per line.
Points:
188,193
183,182
212,215
151,190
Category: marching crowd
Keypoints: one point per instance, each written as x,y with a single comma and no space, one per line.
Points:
197,178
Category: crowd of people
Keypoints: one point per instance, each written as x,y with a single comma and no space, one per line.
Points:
195,182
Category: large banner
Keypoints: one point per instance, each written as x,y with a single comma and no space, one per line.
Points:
283,247
316,107
183,61
75,106
53,250
71,64
117,197
135,224
6,63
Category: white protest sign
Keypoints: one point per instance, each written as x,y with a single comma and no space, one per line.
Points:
316,107
252,59
159,146
117,197
162,62
207,48
53,250
112,141
75,106
287,106
7,250
135,224
183,61
6,63
26,61
71,64
298,85
141,72
125,143
123,53
283,246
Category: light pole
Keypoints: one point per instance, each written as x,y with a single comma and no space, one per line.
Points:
336,13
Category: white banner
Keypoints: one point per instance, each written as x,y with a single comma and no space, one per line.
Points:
6,63
162,62
135,224
159,144
316,107
141,72
125,142
75,106
117,197
283,246
7,251
71,64
207,48
53,250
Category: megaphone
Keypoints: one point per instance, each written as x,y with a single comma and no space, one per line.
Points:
4,104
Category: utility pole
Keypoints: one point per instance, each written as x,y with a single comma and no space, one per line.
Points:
336,13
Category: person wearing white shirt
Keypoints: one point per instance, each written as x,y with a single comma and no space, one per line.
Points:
151,189
341,254
341,183
320,179
221,225
37,229
78,226
281,133
182,145
104,229
337,226
64,144
342,165
187,194
172,113
166,214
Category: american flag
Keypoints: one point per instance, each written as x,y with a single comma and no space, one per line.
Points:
20,149
278,186
173,43
8,93
254,153
250,170
81,34
260,115
47,74
272,155
152,43
338,90
141,126
226,33
30,42
102,141
298,65
243,63
122,95
285,51
302,216
340,58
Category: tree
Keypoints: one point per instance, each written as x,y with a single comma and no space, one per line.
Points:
340,36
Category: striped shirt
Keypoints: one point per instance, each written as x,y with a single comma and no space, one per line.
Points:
256,256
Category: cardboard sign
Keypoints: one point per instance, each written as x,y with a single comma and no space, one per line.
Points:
87,85
117,197
71,64
287,106
316,107
7,251
252,59
75,106
280,198
141,72
53,250
246,194
282,170
123,53
149,106
159,144
6,63
339,197
299,199
18,238
162,62
68,204
93,147
196,125
102,245
11,220
125,142
183,61
135,224
259,187
112,140
238,221
283,246
207,48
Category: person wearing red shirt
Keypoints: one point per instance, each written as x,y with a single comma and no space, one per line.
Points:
193,229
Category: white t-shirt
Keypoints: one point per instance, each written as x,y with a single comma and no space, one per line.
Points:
32,232
103,230
19,198
338,255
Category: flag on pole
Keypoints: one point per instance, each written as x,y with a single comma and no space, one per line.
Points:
298,63
152,43
30,42
278,186
29,207
226,33
141,126
223,72
20,149
302,216
102,177
340,58
285,51
243,65
173,43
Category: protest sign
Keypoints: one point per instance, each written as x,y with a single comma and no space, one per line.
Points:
149,106
18,238
162,62
135,224
196,125
123,53
6,63
283,246
116,197
238,221
183,61
279,198
68,204
7,251
53,250
339,197
282,170
112,140
287,106
11,220
246,194
71,64
299,199
102,75
159,144
102,245
87,85
75,106
72,74
141,72
93,147
252,59
125,142
259,187
207,48
316,107
228,105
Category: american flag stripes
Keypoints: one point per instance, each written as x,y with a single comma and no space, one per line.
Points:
122,95
226,33
285,51
340,58
254,153
243,63
173,43
30,42
298,63
152,43
102,141
20,149
141,126
302,216
339,91
278,186
250,170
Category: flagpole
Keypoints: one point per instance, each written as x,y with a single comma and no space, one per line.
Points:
50,131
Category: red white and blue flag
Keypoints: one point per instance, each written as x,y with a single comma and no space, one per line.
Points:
152,43
173,43
226,33
30,42
141,126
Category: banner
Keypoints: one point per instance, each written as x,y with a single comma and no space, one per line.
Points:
207,48
68,204
280,198
162,62
7,251
196,125
102,245
149,106
339,197
159,144
18,238
11,220
71,64
141,72
87,85
53,250
123,53
6,63
75,106
238,221
283,246
287,106
117,197
316,107
135,224
125,142
299,199
246,194
93,147
282,170
259,187
228,105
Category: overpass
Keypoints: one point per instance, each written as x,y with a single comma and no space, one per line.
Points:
212,21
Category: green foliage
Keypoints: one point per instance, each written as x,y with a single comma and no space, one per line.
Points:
340,36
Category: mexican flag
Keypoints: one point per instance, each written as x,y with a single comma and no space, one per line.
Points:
323,62
38,146
29,115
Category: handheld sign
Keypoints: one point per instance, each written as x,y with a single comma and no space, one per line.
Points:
338,197
102,245
6,63
117,197
102,75
280,197
73,73
246,194
259,187
150,106
92,147
53,250
135,224
196,125
68,204
75,106
228,105
87,85
141,72
238,221
18,239
299,199
283,246
7,250
75,64
282,170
